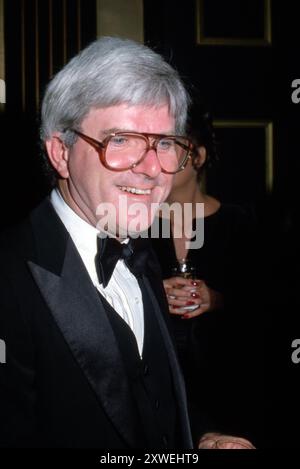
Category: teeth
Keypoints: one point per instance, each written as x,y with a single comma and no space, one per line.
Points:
134,190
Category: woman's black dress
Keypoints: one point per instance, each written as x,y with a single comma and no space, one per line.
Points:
218,349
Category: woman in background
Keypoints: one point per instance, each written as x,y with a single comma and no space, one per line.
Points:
210,314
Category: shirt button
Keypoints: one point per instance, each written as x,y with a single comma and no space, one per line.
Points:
157,403
146,369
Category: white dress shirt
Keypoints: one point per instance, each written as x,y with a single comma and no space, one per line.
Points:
123,291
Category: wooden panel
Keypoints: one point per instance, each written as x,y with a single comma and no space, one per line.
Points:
233,22
119,18
244,173
42,35
2,63
1,39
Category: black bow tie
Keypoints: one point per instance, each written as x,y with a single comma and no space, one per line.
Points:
110,250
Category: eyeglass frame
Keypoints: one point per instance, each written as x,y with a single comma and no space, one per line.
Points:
101,147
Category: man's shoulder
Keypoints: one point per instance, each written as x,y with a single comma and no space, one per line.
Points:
18,240
13,237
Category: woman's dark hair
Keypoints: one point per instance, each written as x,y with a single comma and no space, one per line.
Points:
201,131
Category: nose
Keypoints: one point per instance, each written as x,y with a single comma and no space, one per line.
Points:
150,165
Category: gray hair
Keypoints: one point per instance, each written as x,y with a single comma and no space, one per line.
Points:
111,71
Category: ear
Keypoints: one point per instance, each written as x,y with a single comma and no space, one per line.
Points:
200,158
58,155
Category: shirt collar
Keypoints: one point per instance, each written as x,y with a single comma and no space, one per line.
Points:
82,233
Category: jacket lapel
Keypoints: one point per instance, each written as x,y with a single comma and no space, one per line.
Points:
159,303
79,314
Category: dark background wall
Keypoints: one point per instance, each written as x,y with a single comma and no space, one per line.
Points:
240,54
40,37
243,55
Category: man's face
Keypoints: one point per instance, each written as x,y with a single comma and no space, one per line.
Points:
88,184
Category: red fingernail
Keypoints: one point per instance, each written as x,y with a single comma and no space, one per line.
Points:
185,316
190,303
195,295
195,283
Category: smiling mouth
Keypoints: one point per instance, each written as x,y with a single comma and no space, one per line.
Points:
135,190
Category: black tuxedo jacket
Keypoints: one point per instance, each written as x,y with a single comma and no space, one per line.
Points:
63,383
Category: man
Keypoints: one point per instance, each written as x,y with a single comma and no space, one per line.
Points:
89,361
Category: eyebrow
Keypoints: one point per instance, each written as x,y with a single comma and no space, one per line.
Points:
104,133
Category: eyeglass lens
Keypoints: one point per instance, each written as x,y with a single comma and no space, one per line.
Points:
124,151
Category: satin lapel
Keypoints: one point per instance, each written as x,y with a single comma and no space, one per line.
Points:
175,369
79,314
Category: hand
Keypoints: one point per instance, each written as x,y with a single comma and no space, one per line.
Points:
182,292
219,441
